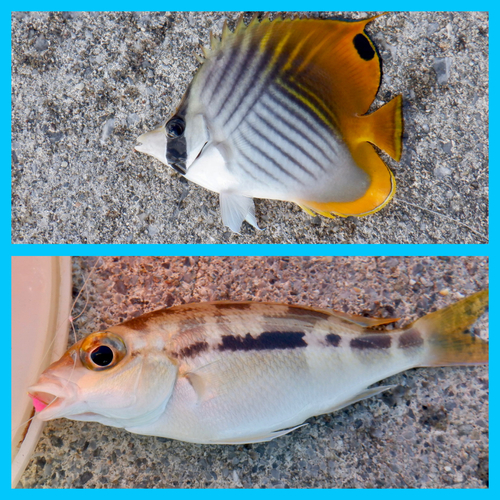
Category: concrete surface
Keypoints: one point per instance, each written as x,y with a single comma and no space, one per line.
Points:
431,431
86,85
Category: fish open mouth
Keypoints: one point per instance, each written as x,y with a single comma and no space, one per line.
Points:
50,396
41,400
45,401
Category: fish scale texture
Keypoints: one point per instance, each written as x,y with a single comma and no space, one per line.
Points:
431,431
85,85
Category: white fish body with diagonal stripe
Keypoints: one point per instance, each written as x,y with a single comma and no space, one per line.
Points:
276,111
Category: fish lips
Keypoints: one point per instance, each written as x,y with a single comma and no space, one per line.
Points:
52,396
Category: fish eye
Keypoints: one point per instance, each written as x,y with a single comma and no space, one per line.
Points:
175,127
102,350
102,356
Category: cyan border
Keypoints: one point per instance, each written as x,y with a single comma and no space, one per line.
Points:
252,250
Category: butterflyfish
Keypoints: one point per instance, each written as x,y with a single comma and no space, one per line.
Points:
244,372
278,110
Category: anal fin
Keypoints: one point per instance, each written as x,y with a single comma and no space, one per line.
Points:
256,439
367,393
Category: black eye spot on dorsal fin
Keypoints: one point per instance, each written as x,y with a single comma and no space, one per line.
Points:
363,47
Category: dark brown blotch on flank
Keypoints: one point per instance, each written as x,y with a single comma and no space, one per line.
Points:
193,350
372,342
311,313
264,341
333,339
410,338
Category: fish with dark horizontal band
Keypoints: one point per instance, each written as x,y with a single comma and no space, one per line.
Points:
278,110
231,373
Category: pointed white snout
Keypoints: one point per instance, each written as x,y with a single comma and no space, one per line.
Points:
154,143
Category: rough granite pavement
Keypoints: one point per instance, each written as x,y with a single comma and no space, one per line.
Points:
86,85
431,431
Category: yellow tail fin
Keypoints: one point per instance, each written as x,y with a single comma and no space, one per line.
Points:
449,344
386,127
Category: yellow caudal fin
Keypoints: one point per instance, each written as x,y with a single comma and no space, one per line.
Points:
444,331
385,127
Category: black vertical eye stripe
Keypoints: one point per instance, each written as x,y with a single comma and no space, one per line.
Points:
176,153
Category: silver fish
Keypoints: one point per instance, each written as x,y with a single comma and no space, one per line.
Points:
278,111
244,372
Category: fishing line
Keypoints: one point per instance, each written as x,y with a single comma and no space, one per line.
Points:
58,329
72,320
442,215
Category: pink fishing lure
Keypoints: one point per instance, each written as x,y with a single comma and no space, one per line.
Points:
39,405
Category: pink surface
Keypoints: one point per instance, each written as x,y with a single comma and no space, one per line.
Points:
39,405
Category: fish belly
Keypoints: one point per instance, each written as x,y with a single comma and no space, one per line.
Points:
248,396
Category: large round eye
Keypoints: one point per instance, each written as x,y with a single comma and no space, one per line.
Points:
102,350
175,127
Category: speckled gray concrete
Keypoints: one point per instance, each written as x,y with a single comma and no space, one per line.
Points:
86,85
431,431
